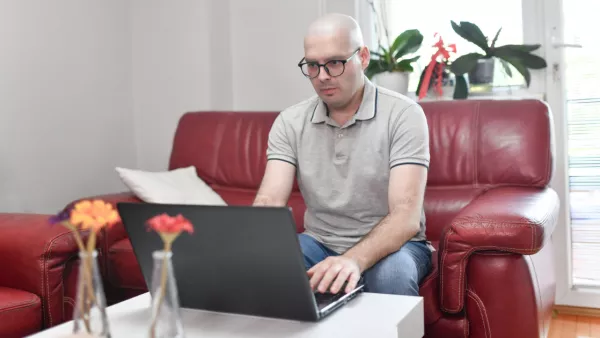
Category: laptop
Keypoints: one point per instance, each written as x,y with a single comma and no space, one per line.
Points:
240,259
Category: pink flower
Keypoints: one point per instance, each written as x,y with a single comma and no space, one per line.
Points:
167,224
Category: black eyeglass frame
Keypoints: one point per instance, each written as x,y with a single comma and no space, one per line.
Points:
324,65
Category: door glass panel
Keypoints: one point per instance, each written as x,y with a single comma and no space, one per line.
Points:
582,87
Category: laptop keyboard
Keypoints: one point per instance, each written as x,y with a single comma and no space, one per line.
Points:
324,299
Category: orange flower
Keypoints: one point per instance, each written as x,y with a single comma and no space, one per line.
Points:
167,224
94,214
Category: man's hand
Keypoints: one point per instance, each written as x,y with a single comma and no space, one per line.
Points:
331,274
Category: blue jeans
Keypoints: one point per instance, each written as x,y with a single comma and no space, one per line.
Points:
399,273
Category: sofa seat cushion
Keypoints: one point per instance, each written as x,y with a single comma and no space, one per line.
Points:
20,313
123,269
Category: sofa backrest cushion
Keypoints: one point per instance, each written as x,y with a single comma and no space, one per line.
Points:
227,148
475,145
490,142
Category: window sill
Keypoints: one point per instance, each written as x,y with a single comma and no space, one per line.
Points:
498,93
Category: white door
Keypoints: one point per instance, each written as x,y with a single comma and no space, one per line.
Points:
572,50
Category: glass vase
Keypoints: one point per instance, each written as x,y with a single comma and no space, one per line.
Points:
165,321
89,316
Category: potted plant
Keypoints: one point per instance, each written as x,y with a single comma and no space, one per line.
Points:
390,67
480,66
436,79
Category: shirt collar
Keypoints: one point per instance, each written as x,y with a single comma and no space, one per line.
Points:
366,111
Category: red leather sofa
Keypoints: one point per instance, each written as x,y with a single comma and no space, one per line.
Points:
39,265
490,212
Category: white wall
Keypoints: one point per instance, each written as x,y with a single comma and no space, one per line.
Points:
267,44
191,55
65,100
89,85
266,50
171,60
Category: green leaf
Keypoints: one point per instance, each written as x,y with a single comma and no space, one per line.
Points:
506,67
407,42
528,60
375,67
520,68
533,61
471,33
420,82
406,65
465,63
403,67
461,90
376,54
384,54
496,38
411,60
523,48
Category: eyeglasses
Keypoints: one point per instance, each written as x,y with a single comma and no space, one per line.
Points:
333,67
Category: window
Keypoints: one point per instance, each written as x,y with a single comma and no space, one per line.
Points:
434,16
583,119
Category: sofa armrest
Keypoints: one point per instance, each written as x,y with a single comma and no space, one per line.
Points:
511,219
33,255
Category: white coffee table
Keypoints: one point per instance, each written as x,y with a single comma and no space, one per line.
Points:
369,315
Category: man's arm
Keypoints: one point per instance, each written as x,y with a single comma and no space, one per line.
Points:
276,185
406,195
278,179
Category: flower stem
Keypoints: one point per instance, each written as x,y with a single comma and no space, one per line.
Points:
80,290
90,250
87,271
76,235
88,277
162,289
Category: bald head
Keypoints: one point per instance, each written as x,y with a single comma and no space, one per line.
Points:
338,26
335,41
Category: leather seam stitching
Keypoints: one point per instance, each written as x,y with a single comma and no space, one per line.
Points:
450,231
476,122
482,312
463,263
23,306
46,285
62,284
548,148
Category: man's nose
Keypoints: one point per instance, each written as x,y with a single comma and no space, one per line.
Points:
323,75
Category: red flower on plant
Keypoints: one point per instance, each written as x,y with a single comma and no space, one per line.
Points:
170,224
438,62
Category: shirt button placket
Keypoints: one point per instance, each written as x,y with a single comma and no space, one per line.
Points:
340,155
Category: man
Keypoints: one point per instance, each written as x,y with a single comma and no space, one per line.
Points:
361,155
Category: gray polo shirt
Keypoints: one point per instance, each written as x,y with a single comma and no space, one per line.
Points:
343,171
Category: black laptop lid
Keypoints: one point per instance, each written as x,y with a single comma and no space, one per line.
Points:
240,259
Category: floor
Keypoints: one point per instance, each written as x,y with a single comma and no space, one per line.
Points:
569,326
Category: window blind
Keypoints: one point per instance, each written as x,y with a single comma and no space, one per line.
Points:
583,121
584,180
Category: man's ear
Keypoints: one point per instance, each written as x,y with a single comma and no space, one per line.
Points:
365,57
